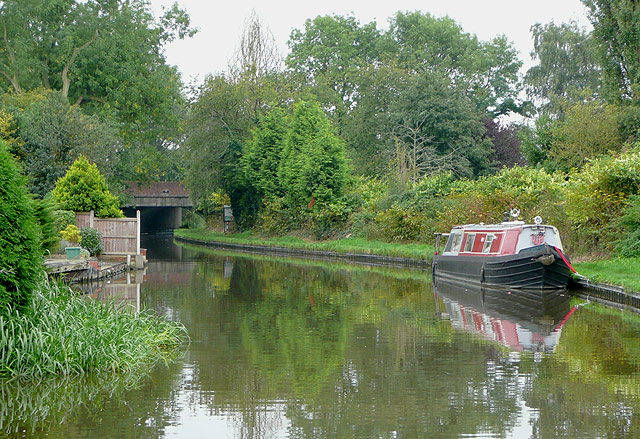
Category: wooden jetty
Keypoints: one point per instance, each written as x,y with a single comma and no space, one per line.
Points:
84,270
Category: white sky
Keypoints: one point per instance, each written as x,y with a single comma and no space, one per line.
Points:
221,22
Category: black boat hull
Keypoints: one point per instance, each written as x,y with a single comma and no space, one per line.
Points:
541,267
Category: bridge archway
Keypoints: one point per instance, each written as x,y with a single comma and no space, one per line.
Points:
160,204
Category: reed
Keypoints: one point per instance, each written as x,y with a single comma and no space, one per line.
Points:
62,333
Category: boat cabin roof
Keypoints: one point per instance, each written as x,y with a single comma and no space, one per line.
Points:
502,226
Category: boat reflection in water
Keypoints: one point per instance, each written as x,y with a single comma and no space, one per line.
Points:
523,320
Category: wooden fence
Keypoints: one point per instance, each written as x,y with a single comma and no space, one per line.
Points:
120,236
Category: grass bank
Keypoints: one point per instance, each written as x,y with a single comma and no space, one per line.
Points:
62,333
618,271
346,245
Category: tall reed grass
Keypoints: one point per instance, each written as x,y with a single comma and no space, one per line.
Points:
63,333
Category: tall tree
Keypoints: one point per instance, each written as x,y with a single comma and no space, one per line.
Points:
328,55
567,66
442,123
486,71
53,134
105,55
313,163
616,26
263,152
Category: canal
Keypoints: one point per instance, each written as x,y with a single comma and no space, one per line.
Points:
302,348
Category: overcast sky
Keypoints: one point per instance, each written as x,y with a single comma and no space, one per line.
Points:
221,22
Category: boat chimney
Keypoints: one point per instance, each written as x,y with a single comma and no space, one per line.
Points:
505,217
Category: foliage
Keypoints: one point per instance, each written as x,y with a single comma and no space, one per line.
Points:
63,218
20,236
599,194
106,55
83,189
71,233
628,245
486,71
615,29
506,144
328,56
61,333
537,142
313,163
263,152
44,212
436,128
54,133
567,66
589,129
91,240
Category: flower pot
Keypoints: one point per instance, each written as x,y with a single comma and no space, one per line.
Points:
72,252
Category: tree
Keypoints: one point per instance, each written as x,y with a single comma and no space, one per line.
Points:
327,57
443,123
52,134
20,251
83,189
222,117
616,26
263,152
506,144
313,164
486,71
105,55
567,65
590,129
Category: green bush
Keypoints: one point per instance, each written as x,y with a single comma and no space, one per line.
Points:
91,240
83,188
63,218
44,214
598,195
71,234
628,246
20,250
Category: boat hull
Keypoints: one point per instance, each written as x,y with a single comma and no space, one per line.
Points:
540,267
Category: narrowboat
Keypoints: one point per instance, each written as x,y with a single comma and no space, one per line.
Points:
511,254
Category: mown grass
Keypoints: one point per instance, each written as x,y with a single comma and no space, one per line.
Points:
346,245
62,333
619,271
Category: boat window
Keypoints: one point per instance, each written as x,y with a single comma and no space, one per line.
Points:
468,246
453,243
487,243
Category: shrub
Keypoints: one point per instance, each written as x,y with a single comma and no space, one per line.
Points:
628,245
71,234
44,215
63,218
20,250
83,188
92,241
598,195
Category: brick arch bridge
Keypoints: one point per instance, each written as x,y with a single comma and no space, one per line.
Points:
160,204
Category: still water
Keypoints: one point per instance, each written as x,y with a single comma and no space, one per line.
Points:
295,348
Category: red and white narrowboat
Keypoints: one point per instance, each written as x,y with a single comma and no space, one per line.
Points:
511,254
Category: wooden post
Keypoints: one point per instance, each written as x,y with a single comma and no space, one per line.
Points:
91,219
137,232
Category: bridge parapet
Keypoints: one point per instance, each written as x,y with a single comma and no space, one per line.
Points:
159,194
